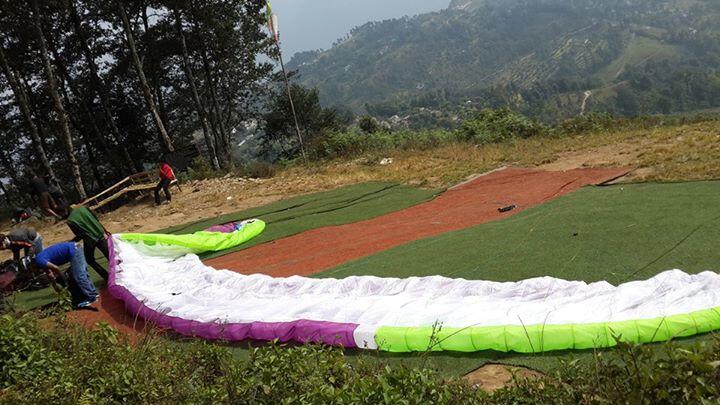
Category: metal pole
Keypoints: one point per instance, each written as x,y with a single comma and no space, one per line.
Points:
292,104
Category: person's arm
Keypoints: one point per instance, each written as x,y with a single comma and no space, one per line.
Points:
55,275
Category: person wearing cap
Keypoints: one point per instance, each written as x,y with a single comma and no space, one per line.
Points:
81,289
24,239
88,229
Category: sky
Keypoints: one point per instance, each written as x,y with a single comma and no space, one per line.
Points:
315,24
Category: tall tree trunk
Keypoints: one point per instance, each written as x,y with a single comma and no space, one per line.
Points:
11,172
147,93
100,89
22,101
86,110
199,107
6,194
210,80
91,155
57,104
154,79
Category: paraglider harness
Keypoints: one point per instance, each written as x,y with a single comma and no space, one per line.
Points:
21,275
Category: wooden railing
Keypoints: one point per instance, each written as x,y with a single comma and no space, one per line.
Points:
139,183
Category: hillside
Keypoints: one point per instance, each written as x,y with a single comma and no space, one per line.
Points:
547,58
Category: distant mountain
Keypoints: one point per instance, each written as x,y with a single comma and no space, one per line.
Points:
548,58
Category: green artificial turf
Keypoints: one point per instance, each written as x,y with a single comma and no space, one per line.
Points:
617,234
285,218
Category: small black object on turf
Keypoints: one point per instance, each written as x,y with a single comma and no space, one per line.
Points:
508,208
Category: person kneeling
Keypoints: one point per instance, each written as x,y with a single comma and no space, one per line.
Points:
81,289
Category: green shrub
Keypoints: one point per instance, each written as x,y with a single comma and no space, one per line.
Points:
59,362
368,124
200,169
591,122
344,144
64,363
492,126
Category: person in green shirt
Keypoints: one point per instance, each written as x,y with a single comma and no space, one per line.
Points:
86,227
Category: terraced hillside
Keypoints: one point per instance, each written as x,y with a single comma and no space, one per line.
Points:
537,56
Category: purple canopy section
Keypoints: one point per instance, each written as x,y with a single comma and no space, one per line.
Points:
224,228
303,331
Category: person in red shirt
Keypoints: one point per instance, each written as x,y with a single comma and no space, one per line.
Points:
166,177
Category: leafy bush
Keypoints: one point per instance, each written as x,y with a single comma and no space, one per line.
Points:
355,143
59,362
368,124
591,122
200,169
631,374
491,126
64,363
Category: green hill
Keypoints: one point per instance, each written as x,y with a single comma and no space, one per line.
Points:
537,56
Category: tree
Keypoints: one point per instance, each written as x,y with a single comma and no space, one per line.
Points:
78,78
368,124
23,103
147,93
199,107
315,120
99,85
57,102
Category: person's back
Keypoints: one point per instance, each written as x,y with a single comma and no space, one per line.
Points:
25,239
85,226
166,172
59,254
22,234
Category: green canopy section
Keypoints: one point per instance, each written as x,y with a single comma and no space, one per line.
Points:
201,241
543,338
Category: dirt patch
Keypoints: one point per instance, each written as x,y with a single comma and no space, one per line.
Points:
112,311
492,377
473,203
614,155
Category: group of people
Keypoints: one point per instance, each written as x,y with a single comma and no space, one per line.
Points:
85,227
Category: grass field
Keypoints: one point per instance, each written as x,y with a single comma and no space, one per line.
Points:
638,51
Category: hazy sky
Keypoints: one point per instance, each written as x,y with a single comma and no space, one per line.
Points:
313,24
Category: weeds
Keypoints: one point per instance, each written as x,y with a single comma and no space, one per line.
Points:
60,362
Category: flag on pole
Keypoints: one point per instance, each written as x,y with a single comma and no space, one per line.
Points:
272,22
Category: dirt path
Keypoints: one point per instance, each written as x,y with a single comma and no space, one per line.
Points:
586,97
471,204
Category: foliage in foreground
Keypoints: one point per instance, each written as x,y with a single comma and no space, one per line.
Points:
60,363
